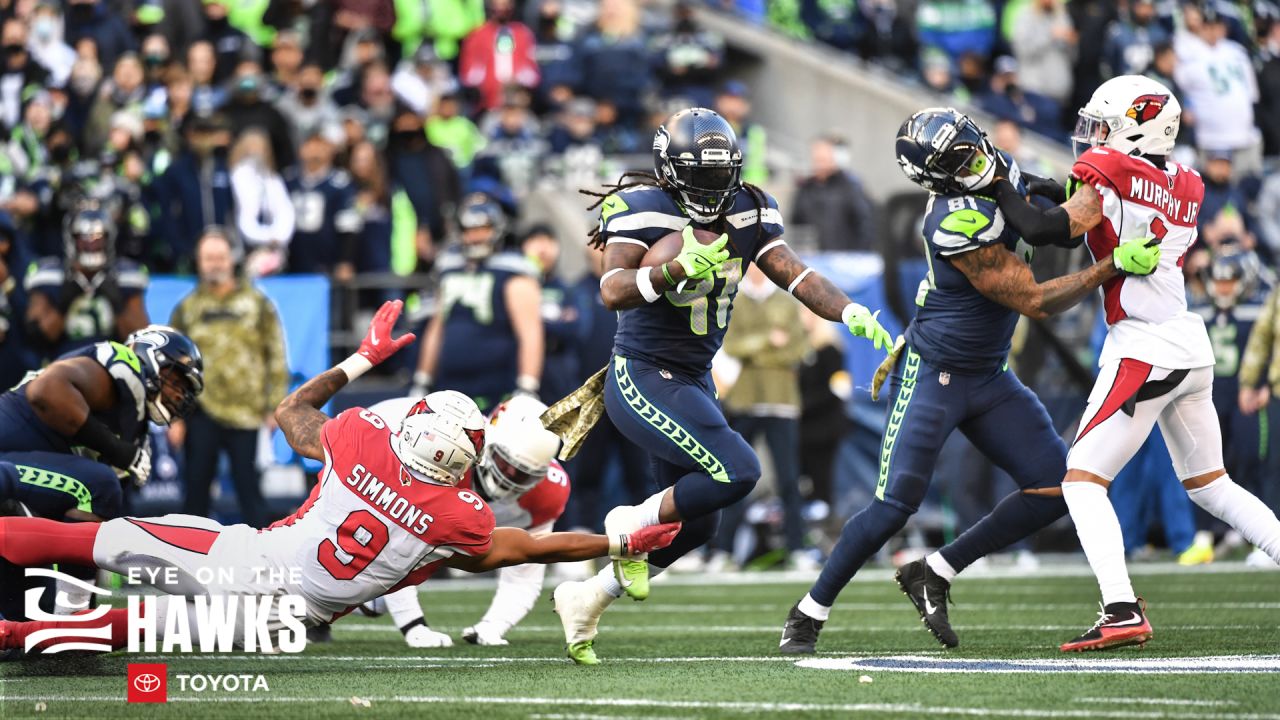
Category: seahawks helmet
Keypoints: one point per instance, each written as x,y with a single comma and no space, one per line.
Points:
89,238
696,156
170,395
943,151
1233,274
478,210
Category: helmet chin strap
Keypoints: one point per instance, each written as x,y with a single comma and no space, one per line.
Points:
158,413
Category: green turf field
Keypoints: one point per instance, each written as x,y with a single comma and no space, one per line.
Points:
705,648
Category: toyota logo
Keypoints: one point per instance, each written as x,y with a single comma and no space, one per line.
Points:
147,683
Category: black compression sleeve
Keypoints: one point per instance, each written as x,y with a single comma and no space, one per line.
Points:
95,435
1037,227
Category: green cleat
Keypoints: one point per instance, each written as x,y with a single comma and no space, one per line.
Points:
581,653
633,576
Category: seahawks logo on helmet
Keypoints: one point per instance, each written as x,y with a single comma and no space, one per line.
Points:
1146,107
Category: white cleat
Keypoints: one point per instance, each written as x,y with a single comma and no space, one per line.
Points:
423,637
580,605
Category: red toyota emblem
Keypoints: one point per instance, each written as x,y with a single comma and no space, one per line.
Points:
148,683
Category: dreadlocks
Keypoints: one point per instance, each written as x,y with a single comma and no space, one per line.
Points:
638,178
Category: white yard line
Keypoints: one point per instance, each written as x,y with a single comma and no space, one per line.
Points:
1155,701
914,709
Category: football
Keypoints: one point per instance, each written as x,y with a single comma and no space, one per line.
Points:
667,248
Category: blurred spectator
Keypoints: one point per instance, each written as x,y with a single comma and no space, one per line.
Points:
833,203
936,71
825,386
1222,193
361,51
1044,44
562,326
575,151
1219,83
182,23
307,104
89,296
557,57
377,100
373,206
615,59
834,22
327,224
887,33
94,20
1091,19
515,143
238,331
1130,47
1269,86
689,57
1007,136
46,43
419,81
498,54
195,191
1164,63
734,105
123,92
452,131
20,75
768,339
230,45
155,63
425,174
207,93
957,26
1267,208
264,215
249,110
28,152
178,97
616,137
489,303
449,21
286,61
15,359
1007,99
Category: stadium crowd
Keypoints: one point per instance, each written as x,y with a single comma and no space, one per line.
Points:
237,140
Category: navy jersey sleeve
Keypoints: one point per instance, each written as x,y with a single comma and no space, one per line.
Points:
766,215
960,223
131,277
45,276
639,216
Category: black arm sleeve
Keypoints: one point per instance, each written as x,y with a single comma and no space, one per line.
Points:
1037,227
95,435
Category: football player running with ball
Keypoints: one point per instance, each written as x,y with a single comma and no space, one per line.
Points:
657,388
950,371
1157,361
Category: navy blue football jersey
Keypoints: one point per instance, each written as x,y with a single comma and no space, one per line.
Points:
21,429
90,307
326,217
683,330
478,356
956,327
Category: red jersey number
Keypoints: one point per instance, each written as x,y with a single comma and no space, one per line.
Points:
363,547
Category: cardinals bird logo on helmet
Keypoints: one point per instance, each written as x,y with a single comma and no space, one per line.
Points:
1147,107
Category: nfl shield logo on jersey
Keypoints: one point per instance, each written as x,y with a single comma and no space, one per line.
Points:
944,378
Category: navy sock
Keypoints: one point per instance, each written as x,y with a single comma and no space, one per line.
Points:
862,537
1017,516
698,495
693,535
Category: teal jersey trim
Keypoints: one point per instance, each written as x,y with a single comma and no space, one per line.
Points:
664,424
905,391
56,481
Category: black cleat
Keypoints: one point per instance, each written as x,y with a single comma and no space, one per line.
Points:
800,634
320,633
930,594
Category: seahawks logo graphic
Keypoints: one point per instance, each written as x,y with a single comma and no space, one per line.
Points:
1146,107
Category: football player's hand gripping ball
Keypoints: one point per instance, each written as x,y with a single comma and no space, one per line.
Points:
699,260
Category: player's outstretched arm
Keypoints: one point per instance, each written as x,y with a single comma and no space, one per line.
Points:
299,416
781,265
1002,277
513,546
1055,226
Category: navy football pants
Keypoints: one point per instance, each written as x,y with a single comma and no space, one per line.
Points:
677,419
1003,419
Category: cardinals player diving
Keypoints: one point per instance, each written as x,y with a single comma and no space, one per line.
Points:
387,513
1157,362
518,476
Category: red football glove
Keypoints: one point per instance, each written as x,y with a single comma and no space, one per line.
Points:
378,345
648,539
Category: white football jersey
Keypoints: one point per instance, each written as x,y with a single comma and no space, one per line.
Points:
1147,315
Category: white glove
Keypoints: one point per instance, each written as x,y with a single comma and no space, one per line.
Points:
483,633
421,636
140,468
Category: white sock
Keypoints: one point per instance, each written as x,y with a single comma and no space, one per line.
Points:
1100,536
650,508
810,607
607,582
403,606
941,567
1243,511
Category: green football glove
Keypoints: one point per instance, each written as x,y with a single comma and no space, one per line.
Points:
1139,256
862,323
699,260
